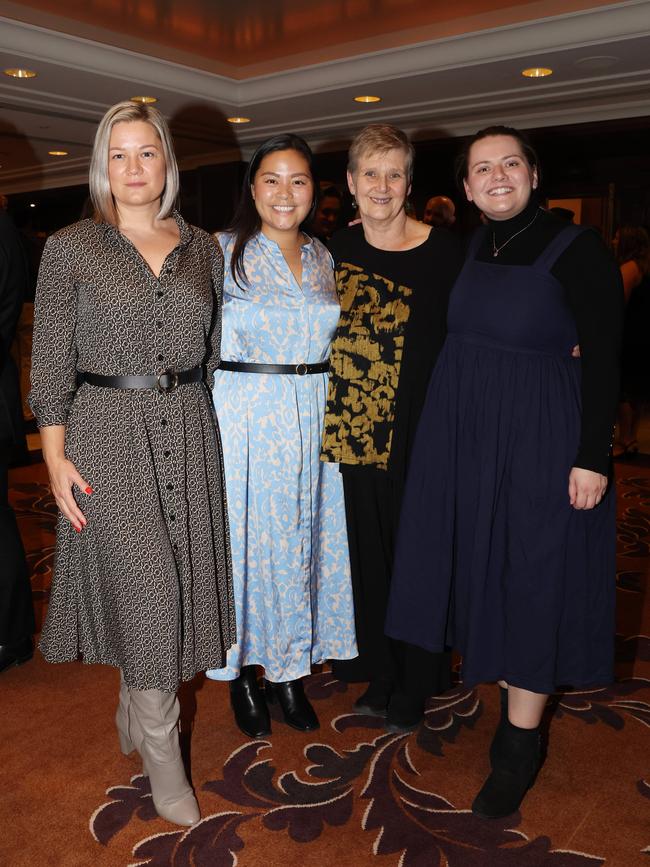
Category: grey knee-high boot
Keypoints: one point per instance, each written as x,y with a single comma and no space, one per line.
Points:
128,730
157,713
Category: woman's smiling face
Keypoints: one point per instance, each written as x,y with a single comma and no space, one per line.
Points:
499,177
380,183
283,191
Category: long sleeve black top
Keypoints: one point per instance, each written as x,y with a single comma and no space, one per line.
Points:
594,291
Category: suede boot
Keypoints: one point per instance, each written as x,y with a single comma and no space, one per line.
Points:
157,715
515,759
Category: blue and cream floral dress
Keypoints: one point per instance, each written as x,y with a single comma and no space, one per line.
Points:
291,571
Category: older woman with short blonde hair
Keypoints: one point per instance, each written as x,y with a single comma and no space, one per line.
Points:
126,336
393,277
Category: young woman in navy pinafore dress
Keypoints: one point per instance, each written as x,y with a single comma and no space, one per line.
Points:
507,535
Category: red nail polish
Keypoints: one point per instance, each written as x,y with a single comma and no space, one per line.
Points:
78,529
89,490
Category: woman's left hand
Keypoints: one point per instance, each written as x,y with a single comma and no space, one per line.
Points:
586,488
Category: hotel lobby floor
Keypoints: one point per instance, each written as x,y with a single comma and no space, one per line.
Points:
348,795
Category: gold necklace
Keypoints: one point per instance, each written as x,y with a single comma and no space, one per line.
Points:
496,250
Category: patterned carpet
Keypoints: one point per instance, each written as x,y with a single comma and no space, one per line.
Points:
347,795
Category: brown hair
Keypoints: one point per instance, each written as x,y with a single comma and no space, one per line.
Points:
529,152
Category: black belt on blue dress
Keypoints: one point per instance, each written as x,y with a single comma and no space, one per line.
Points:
296,369
165,381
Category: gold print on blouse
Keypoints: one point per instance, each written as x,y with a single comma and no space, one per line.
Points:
365,363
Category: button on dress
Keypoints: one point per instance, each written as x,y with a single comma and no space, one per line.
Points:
146,585
287,518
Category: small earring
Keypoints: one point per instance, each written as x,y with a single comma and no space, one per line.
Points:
354,203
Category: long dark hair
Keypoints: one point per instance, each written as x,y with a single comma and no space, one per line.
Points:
462,160
247,222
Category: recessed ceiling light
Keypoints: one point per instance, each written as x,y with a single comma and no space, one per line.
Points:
537,72
367,98
238,119
21,73
58,153
32,204
145,100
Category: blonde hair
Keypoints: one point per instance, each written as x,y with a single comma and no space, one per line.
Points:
380,138
98,180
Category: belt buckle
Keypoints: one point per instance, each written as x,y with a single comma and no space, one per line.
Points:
301,369
173,381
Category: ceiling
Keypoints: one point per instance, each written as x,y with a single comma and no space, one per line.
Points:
441,68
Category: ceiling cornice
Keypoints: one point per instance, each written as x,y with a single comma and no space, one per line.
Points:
527,39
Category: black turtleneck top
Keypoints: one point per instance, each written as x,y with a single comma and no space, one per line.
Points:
594,292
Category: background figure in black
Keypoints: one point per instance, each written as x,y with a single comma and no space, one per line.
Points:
328,212
439,211
16,611
632,248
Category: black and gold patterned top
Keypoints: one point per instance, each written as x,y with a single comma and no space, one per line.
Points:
391,328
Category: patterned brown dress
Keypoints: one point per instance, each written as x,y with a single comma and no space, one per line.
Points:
146,585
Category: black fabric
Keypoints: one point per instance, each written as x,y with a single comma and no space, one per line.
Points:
635,376
372,505
16,609
594,292
429,270
13,282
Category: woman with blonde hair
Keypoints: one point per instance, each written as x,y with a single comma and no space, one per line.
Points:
126,337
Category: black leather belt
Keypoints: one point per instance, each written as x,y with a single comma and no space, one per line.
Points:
165,381
299,369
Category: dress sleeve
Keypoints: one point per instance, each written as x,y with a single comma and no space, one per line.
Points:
54,352
594,288
214,350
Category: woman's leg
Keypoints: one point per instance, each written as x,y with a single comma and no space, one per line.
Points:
514,753
157,713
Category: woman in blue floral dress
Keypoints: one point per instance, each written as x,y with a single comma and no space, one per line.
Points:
291,567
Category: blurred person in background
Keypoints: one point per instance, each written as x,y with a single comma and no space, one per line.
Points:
16,609
439,211
632,250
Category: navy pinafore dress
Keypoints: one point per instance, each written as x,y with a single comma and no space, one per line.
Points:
491,557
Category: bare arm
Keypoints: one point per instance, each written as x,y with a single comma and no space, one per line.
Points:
632,276
63,475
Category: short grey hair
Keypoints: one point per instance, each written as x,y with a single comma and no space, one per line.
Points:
380,138
98,181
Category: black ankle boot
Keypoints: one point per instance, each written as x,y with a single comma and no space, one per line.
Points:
515,759
374,701
298,712
248,704
405,713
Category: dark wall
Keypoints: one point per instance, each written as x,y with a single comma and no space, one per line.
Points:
582,160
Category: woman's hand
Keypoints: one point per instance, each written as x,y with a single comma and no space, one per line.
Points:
586,488
63,475
63,478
